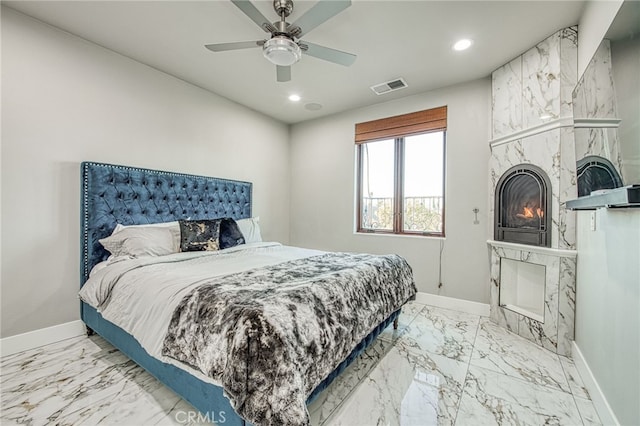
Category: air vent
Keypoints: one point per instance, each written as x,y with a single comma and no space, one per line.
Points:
389,86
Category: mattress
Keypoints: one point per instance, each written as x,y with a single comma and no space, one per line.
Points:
140,295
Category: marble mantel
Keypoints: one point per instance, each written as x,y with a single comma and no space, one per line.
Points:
533,249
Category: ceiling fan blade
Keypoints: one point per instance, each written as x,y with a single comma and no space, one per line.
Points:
250,10
319,13
221,47
283,73
328,54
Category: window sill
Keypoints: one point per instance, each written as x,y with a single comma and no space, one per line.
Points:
390,235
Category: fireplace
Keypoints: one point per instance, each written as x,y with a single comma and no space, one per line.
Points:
594,173
523,206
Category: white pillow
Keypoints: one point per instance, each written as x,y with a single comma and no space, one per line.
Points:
143,240
173,226
250,229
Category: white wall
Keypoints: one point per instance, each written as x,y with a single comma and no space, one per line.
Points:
608,306
322,190
65,100
594,23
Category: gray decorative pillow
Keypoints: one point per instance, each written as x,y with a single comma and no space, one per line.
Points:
230,234
200,235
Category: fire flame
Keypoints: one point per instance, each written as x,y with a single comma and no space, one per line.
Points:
527,213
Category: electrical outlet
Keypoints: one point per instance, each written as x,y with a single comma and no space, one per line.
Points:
593,221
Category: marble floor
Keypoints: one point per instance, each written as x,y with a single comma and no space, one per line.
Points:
440,367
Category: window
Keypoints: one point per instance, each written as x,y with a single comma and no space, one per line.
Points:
401,171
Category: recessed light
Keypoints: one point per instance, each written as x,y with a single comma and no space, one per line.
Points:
294,98
463,44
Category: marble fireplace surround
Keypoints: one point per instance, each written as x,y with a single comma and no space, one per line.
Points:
556,331
532,117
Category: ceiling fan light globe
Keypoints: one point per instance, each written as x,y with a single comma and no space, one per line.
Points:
281,51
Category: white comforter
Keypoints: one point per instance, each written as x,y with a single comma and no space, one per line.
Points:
140,295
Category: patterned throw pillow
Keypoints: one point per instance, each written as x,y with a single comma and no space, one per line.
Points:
230,235
200,235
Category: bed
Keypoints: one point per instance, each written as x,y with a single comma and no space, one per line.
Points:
115,195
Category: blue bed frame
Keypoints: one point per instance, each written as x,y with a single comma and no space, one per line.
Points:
113,194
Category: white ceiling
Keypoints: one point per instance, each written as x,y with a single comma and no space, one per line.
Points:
409,39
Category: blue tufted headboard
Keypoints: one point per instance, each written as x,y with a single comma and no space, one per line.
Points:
114,194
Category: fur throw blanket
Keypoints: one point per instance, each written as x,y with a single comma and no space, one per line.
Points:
271,335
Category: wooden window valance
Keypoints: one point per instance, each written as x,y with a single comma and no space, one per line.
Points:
402,125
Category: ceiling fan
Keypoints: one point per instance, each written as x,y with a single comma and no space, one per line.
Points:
285,48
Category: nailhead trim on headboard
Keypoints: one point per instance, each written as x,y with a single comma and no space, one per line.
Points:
113,194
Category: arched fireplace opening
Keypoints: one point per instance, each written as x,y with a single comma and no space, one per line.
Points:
594,173
523,206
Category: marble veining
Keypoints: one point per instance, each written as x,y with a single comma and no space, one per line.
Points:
578,389
568,189
541,82
599,141
406,388
566,304
556,331
507,98
544,333
492,398
587,412
441,332
498,350
542,150
594,97
465,370
408,313
83,381
548,74
595,94
568,69
332,398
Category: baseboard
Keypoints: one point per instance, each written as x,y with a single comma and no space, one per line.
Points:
44,336
468,306
607,416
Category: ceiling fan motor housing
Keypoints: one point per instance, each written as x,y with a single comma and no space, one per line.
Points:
283,7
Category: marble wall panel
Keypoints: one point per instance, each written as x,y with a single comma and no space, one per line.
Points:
566,305
507,98
568,69
600,141
595,94
544,334
568,189
541,82
503,317
537,332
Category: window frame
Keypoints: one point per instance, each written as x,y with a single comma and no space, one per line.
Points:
398,195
